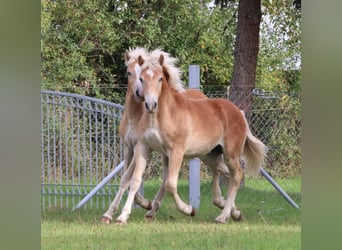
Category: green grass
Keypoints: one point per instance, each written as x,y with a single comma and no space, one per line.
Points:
269,223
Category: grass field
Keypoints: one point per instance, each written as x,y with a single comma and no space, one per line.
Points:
268,224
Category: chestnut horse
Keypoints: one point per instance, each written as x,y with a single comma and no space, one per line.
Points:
134,108
179,127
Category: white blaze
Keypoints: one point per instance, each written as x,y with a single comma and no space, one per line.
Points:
149,72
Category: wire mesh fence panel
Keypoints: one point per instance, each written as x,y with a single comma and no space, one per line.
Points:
79,147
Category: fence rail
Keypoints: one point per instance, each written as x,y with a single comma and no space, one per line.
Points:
80,145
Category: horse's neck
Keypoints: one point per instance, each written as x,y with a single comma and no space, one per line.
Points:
168,102
133,109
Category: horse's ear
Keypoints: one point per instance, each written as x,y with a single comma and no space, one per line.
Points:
127,57
161,59
141,60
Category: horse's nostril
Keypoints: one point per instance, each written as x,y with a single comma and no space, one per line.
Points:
155,105
137,93
146,106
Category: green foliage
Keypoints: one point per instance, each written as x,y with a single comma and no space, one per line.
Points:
288,141
83,42
280,45
277,122
77,43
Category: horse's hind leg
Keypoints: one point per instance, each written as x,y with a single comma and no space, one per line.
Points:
217,166
223,169
218,199
150,214
233,186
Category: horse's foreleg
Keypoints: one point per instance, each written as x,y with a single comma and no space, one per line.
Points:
140,158
175,162
138,199
233,186
158,198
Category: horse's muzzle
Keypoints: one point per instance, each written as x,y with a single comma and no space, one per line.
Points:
138,97
151,107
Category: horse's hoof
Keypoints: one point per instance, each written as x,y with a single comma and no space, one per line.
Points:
149,218
236,215
120,222
218,221
148,206
221,220
239,218
106,220
193,212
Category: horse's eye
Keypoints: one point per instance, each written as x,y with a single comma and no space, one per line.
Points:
141,80
160,79
129,73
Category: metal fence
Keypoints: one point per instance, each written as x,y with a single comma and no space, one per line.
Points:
80,145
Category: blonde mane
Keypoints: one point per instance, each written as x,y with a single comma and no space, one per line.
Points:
168,65
132,55
151,60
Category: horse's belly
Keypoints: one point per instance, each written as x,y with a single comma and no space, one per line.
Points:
203,146
195,152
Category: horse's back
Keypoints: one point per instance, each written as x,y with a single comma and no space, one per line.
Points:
218,118
214,109
194,94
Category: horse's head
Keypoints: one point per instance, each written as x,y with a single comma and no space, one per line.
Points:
152,79
134,60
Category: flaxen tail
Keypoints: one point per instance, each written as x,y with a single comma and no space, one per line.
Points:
254,151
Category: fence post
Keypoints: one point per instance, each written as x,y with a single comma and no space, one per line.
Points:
194,164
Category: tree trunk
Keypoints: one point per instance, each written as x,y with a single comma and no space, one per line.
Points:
245,54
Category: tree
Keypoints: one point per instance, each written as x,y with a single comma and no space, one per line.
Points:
77,43
245,54
279,58
280,49
83,43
